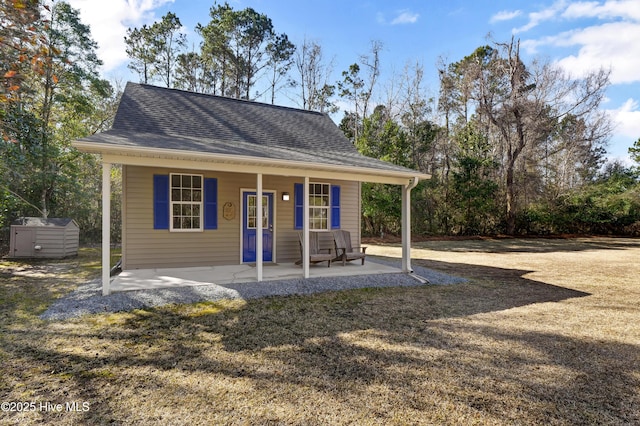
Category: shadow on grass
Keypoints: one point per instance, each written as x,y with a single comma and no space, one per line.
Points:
414,342
389,309
527,245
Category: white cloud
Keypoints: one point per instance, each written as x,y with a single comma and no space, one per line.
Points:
405,17
536,18
109,21
605,34
612,45
626,9
627,119
505,15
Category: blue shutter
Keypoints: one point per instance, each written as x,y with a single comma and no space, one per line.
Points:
298,202
335,206
210,203
160,201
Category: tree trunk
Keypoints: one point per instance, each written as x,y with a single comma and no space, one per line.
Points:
510,211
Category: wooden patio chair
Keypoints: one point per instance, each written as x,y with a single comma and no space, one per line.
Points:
315,253
344,250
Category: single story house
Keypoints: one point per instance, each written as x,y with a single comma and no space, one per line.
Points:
193,164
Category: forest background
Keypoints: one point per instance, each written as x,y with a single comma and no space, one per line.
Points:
512,147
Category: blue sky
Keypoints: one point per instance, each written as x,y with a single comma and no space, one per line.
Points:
578,35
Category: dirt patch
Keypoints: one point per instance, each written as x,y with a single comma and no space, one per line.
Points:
39,270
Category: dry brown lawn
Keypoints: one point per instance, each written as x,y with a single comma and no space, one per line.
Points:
544,332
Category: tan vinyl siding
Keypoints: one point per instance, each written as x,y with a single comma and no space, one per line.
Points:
151,248
145,247
52,242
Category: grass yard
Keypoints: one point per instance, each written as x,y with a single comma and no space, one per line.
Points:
544,332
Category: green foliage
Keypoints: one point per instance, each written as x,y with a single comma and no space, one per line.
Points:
167,43
238,45
280,51
21,48
141,52
634,152
381,208
154,49
431,212
609,205
384,139
473,183
352,84
40,173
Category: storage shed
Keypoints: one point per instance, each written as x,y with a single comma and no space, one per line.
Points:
44,238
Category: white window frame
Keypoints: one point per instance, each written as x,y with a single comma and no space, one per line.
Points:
199,203
314,209
254,213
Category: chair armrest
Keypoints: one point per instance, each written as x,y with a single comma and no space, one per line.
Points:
362,248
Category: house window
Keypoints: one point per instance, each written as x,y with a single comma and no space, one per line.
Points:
319,206
252,212
324,206
186,202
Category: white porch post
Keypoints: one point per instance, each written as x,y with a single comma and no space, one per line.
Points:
305,228
406,225
259,242
106,229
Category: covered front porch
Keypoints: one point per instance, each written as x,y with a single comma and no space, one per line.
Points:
148,277
167,278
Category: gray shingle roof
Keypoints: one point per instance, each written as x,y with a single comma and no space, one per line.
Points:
155,117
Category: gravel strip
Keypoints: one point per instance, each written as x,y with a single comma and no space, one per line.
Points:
88,299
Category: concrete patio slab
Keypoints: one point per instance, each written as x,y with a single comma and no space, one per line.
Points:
162,278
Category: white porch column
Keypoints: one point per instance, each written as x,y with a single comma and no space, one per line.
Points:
106,229
406,225
259,242
305,228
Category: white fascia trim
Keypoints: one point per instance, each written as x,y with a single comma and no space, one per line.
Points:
133,156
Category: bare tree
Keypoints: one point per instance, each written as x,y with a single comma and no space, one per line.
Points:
415,114
522,109
371,64
525,106
358,90
313,78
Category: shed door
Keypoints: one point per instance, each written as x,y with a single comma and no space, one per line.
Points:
23,242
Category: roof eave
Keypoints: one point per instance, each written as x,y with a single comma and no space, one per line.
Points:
130,155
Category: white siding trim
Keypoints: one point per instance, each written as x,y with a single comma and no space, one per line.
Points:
252,166
106,229
305,228
259,235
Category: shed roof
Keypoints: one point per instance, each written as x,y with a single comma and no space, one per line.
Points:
40,221
151,117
